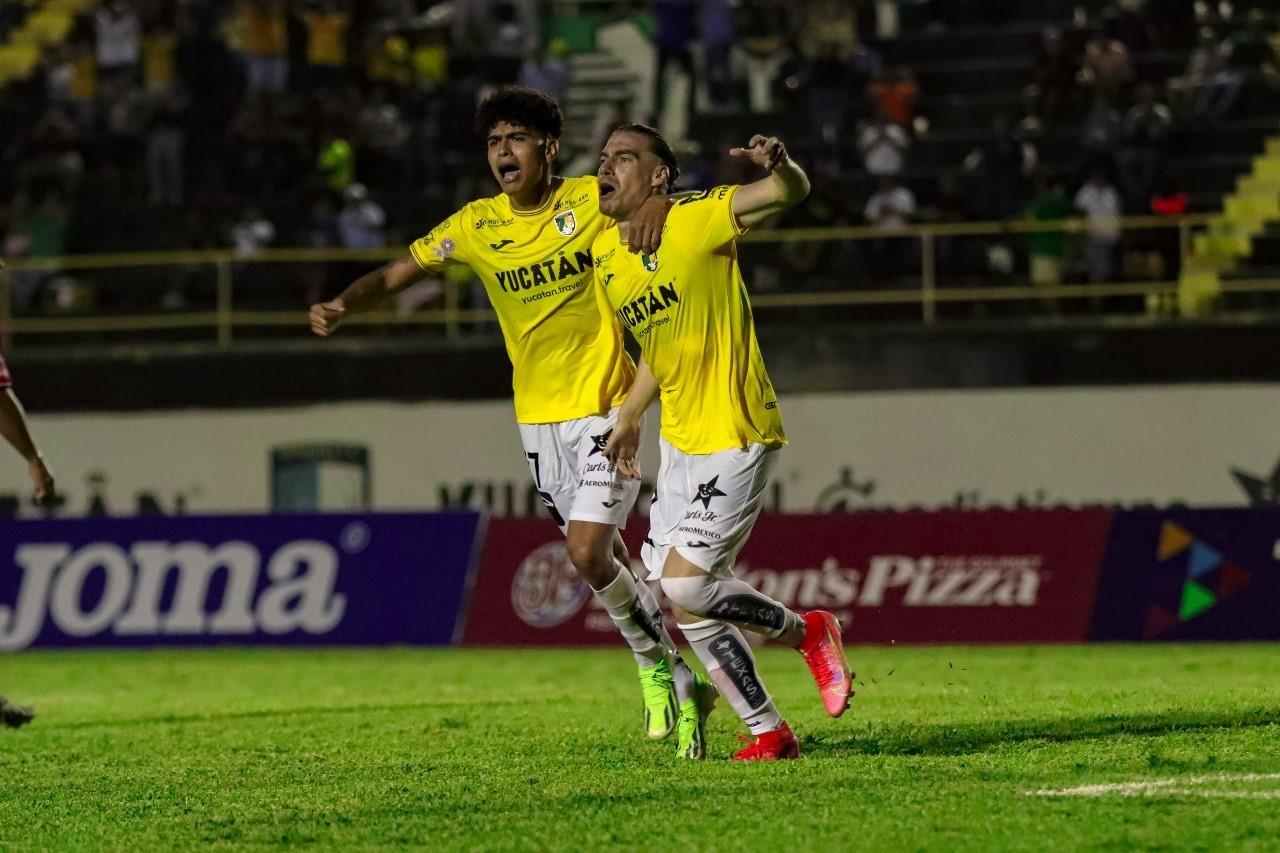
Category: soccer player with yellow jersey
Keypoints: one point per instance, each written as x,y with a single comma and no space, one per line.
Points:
531,247
687,306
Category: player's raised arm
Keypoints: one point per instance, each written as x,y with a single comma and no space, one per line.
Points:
786,185
364,294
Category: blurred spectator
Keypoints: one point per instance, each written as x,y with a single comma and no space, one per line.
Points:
831,92
715,31
1101,206
762,47
546,70
159,58
891,206
1169,200
166,140
1102,134
266,45
674,40
1144,154
1055,75
1048,249
252,233
896,93
327,28
1204,62
336,163
36,232
882,145
1248,57
1000,163
362,221
51,152
830,29
1107,68
118,35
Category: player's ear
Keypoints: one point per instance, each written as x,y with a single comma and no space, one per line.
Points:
661,176
552,150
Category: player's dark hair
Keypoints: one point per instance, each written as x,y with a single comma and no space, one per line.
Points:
522,107
659,145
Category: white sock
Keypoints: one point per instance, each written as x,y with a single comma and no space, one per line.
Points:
732,667
633,610
732,600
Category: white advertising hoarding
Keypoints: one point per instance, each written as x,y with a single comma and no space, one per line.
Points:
1198,445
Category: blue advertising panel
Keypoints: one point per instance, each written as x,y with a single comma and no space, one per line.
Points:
1190,574
265,580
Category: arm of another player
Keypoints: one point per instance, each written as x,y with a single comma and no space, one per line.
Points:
624,442
786,186
13,426
365,294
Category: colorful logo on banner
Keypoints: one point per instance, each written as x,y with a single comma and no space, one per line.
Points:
1202,578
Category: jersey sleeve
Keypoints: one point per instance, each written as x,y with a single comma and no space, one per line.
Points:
446,242
710,214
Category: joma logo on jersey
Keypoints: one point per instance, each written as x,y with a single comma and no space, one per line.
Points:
647,306
544,272
566,223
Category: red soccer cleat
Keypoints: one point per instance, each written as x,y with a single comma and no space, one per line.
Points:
770,746
824,653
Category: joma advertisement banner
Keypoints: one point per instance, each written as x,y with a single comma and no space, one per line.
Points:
267,580
1025,448
956,577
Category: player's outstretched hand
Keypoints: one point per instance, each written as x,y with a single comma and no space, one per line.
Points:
765,151
644,232
327,316
45,494
623,444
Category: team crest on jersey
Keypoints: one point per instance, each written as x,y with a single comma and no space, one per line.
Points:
566,223
650,261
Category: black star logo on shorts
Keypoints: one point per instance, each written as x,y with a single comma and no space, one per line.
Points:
707,491
601,441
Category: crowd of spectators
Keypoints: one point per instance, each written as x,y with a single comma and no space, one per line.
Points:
249,124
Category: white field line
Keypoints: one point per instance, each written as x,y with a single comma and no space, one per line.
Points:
1176,786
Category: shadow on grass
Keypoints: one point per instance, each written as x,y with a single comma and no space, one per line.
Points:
907,739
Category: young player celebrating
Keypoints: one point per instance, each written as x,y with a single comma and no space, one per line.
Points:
687,307
531,247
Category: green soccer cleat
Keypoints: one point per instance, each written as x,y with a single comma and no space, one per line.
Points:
660,710
692,730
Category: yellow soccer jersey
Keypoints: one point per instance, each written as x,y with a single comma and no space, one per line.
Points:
565,347
688,307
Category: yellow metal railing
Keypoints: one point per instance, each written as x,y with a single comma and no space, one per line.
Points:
223,318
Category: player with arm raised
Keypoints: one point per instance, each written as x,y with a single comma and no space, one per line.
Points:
721,430
531,247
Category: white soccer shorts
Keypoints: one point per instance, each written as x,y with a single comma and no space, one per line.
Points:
705,506
571,474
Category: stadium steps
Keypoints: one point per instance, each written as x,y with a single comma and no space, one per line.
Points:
596,80
1231,237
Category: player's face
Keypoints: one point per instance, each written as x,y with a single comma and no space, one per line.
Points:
519,158
629,173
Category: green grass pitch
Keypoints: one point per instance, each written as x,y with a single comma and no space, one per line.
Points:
944,748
